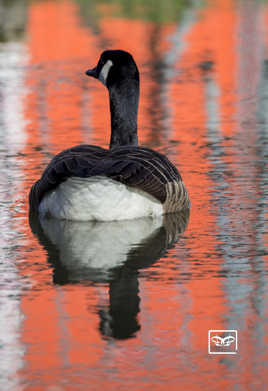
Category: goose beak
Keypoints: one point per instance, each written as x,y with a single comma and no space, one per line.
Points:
92,72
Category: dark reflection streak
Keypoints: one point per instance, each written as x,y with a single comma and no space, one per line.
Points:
259,301
38,86
75,252
170,73
171,59
251,54
252,31
42,110
156,110
235,291
60,274
228,249
86,130
119,320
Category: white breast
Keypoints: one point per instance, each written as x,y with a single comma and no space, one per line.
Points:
98,198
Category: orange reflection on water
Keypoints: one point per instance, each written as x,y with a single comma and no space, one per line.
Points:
63,108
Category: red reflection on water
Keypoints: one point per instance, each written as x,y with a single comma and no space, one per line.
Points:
61,326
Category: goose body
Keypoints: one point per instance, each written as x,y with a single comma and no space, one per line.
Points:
117,201
126,181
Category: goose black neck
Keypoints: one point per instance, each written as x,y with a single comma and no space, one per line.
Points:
124,100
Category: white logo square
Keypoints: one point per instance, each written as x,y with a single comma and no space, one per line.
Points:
222,342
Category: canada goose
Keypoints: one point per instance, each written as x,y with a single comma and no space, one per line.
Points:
88,182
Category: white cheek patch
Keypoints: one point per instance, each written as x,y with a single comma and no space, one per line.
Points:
105,71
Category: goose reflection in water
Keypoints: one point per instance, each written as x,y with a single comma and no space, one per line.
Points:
109,252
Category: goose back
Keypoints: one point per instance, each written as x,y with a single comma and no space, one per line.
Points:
137,167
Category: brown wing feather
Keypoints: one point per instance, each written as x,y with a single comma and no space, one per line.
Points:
75,161
145,169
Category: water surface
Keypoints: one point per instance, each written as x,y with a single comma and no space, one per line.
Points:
129,305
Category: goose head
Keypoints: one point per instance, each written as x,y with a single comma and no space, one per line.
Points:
117,70
114,68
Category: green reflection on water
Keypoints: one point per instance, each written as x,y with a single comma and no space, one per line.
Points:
13,13
157,11
12,19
